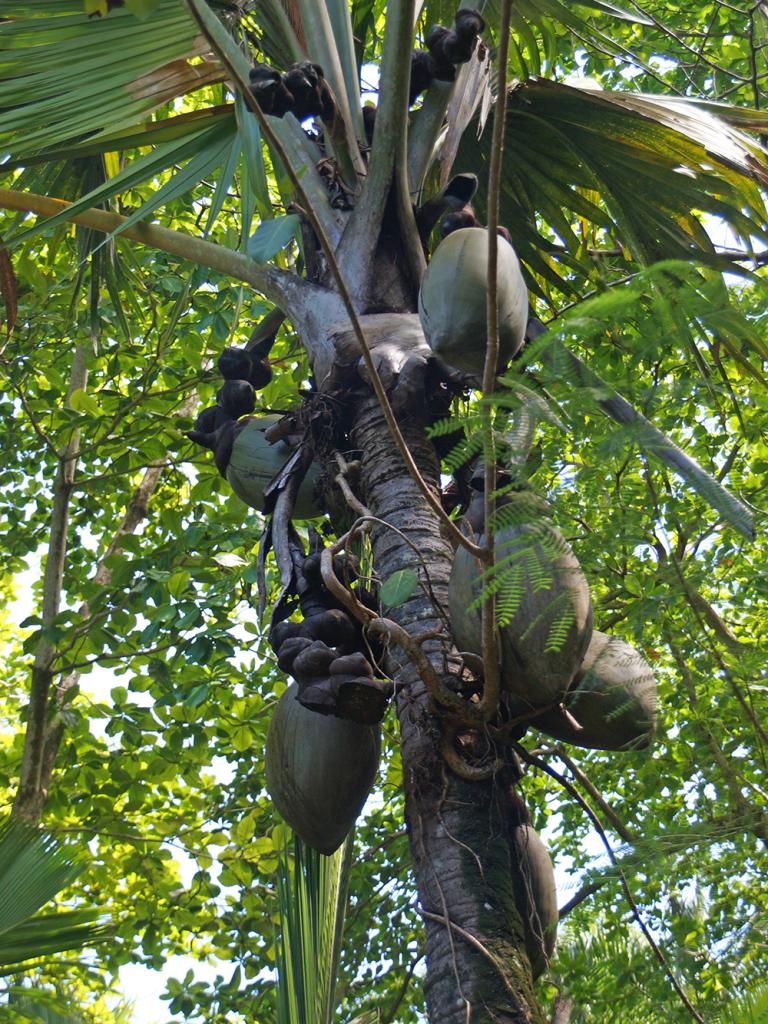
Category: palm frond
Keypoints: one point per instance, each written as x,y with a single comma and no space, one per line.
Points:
276,31
151,133
204,151
312,893
65,77
45,935
584,167
747,1008
33,868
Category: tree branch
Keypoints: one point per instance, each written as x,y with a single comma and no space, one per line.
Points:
26,802
277,285
44,745
562,1010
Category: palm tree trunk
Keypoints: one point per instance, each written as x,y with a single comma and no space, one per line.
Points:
477,968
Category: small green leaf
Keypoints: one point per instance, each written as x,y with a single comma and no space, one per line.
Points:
80,401
178,582
633,585
398,587
271,236
196,696
242,739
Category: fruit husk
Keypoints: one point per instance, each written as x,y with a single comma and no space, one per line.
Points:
319,771
613,698
453,296
289,649
314,660
545,601
533,880
254,462
334,626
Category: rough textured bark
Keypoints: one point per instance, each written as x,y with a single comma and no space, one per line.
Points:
477,968
563,1010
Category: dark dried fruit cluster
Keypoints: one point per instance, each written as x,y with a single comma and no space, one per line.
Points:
467,218
244,372
302,91
324,652
446,48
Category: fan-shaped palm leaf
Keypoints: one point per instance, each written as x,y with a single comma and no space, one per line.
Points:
313,892
34,867
65,77
48,934
583,165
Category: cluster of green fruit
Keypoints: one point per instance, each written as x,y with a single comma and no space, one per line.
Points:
558,673
324,735
249,451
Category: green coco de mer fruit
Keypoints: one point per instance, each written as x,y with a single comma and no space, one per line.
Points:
613,698
544,606
533,881
254,462
319,770
453,300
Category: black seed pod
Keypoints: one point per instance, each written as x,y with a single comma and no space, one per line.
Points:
314,660
422,73
352,665
234,364
312,97
333,626
459,45
290,650
237,397
460,219
206,439
468,23
285,631
211,419
260,375
442,68
311,568
269,90
225,437
449,47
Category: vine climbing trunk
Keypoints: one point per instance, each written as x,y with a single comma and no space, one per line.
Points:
477,968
